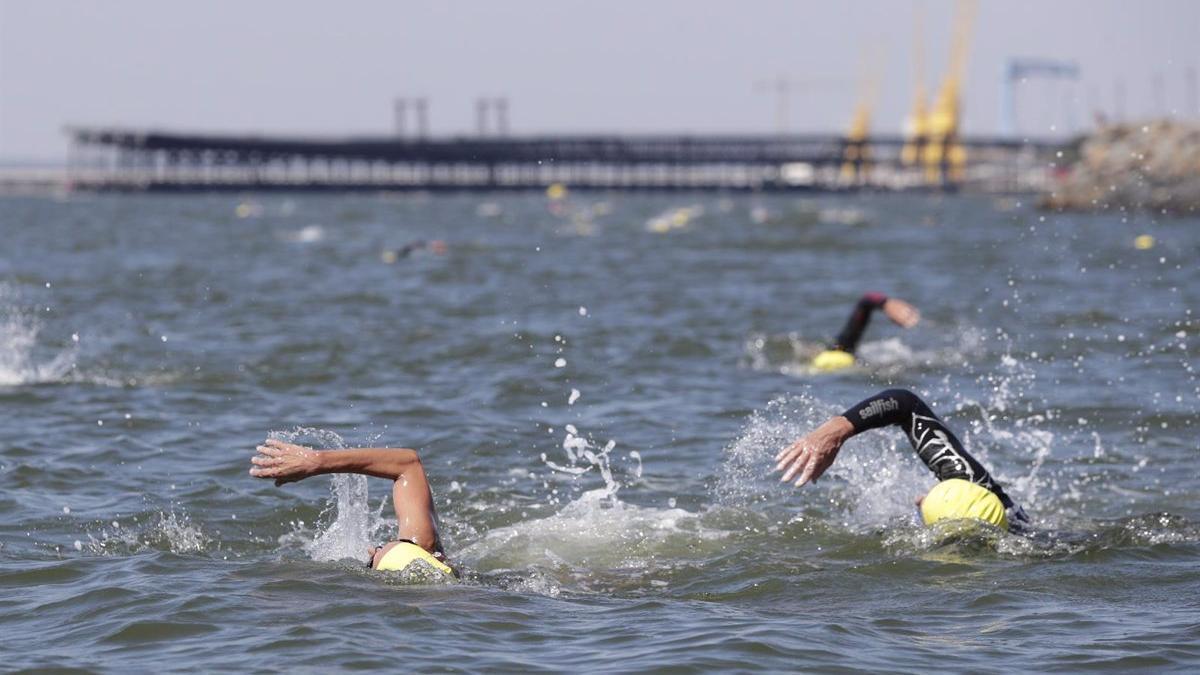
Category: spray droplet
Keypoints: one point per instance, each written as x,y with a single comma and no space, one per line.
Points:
573,397
582,311
560,362
78,545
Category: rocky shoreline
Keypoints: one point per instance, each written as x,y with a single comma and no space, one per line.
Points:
1149,166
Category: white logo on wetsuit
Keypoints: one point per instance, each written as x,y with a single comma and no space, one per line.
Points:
878,406
935,448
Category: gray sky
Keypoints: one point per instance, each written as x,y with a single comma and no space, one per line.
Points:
300,66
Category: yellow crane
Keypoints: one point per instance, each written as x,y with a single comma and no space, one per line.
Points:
944,156
856,154
916,127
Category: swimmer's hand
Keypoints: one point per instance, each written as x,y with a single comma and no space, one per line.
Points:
901,313
810,456
285,462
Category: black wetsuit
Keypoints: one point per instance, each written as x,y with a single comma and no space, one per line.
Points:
852,332
935,444
409,248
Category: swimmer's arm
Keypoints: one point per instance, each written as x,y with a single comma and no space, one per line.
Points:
287,462
936,445
810,456
901,313
412,498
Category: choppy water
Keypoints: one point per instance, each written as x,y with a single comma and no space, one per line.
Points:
148,343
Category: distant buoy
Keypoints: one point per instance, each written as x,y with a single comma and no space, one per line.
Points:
556,191
1143,242
388,257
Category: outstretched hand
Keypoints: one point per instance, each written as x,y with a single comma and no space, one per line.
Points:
810,456
285,462
901,313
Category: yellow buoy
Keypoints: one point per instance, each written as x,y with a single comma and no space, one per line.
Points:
556,191
1143,242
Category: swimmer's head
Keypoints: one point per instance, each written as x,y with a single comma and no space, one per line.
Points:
400,556
957,499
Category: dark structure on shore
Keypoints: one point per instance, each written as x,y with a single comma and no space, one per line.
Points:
127,160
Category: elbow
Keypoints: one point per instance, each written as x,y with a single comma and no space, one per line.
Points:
404,462
873,299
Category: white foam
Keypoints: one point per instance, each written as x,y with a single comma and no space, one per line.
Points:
595,532
19,362
306,235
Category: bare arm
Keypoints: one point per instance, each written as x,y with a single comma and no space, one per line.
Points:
411,496
287,462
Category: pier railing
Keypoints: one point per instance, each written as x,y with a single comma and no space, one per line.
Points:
117,159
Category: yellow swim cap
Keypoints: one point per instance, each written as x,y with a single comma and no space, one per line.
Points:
405,555
956,499
833,359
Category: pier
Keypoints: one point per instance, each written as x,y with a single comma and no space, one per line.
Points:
152,161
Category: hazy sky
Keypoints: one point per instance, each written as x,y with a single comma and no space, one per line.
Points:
566,65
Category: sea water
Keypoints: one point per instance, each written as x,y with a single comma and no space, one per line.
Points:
597,388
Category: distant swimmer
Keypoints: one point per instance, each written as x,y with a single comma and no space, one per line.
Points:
417,547
840,354
966,490
435,246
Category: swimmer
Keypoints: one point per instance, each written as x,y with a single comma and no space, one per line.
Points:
436,247
840,354
966,489
417,541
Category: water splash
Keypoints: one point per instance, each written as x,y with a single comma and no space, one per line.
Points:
167,531
872,483
583,455
308,234
19,351
349,525
744,479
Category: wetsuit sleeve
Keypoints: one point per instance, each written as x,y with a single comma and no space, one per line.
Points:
935,444
852,332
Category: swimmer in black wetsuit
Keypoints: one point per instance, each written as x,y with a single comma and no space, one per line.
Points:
436,246
966,489
840,353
